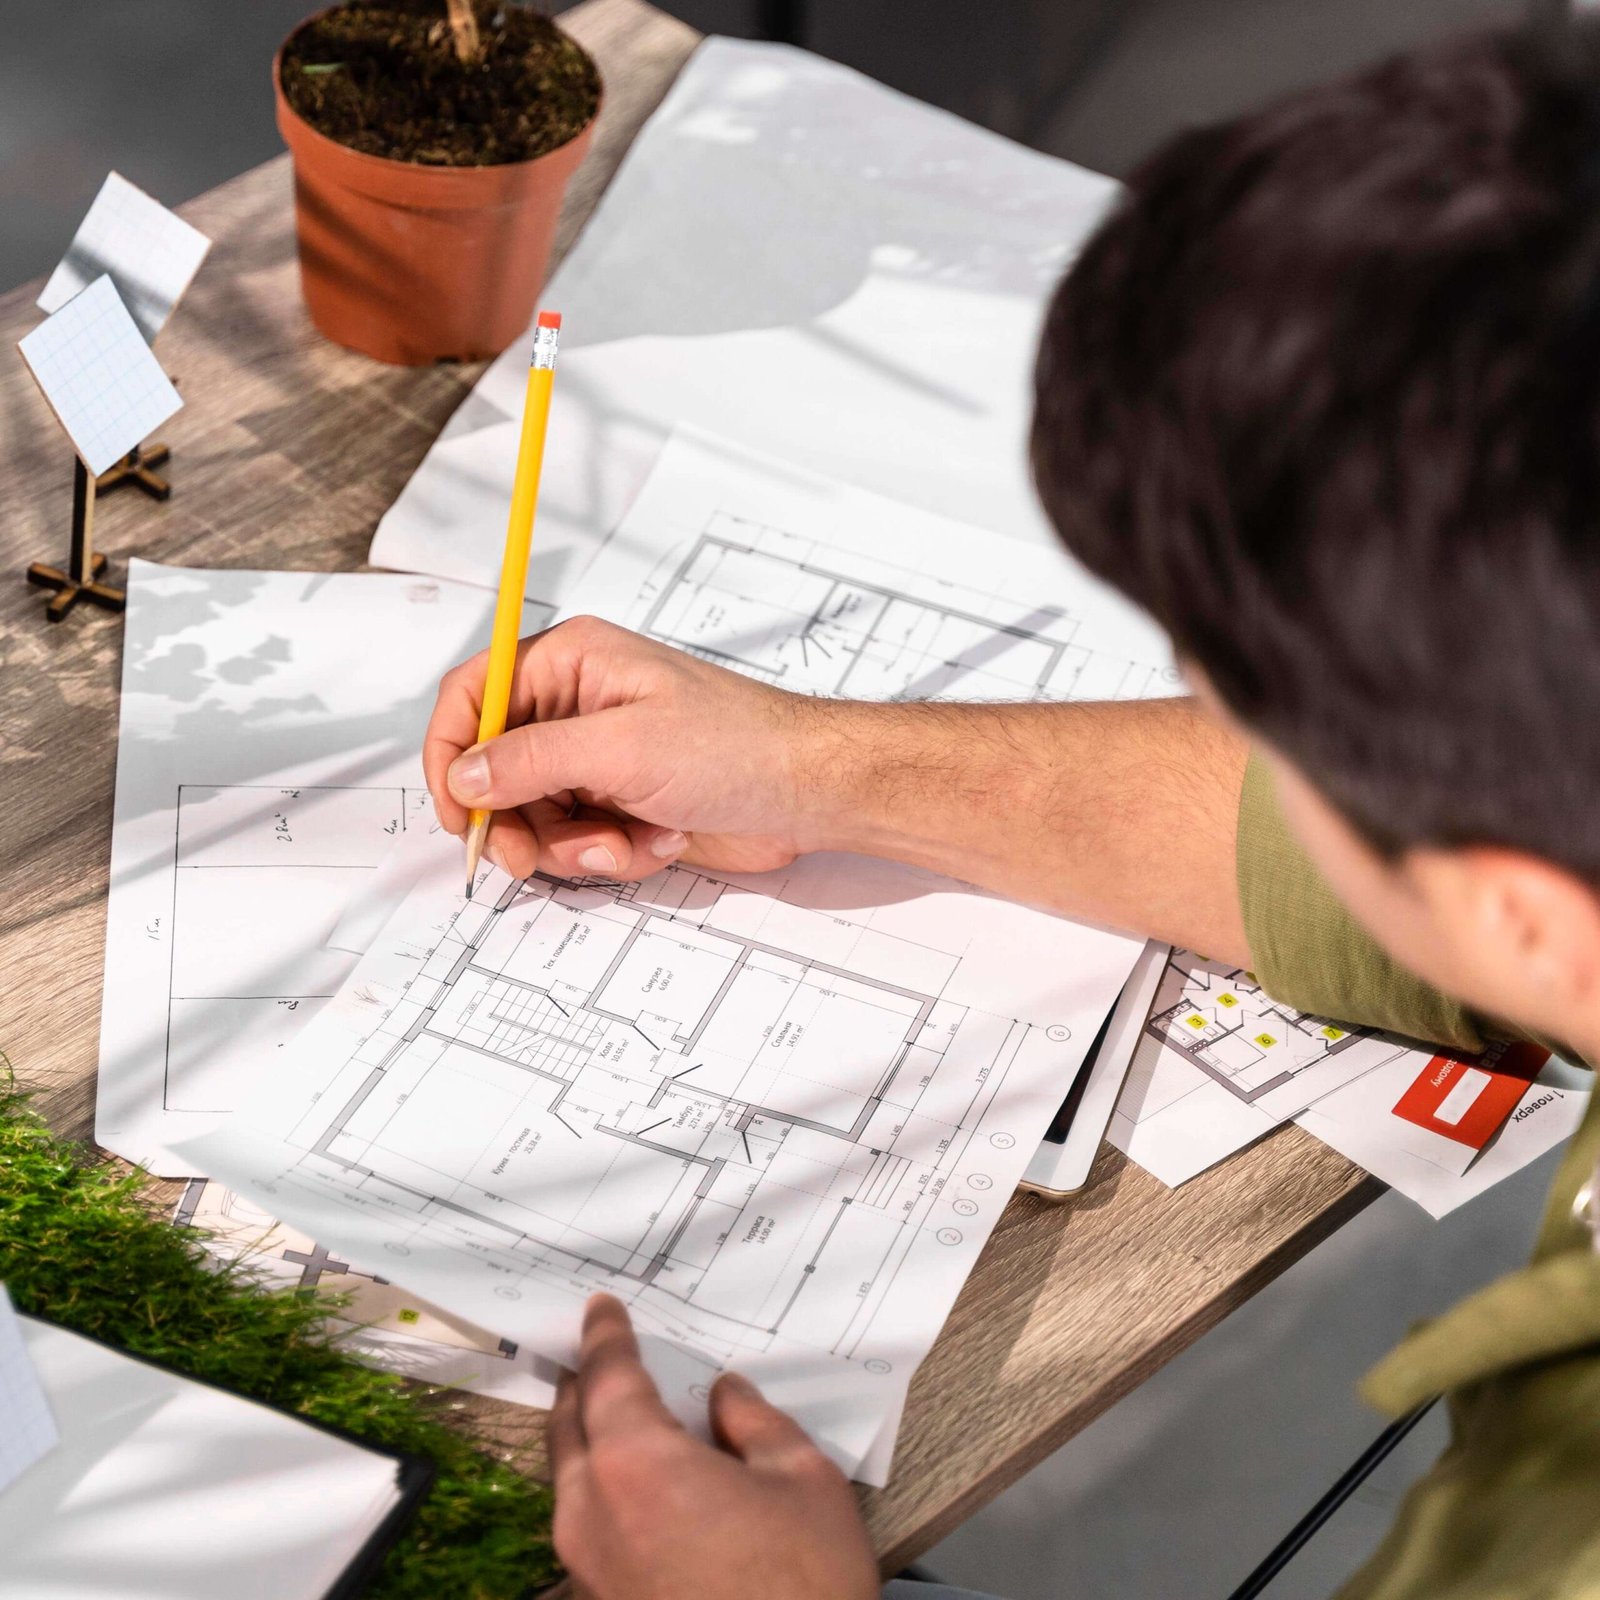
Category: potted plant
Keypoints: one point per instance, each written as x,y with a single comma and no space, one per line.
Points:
432,145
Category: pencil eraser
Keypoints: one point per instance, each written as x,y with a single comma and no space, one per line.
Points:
549,319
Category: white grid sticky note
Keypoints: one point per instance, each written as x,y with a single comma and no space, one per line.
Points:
27,1430
99,375
150,253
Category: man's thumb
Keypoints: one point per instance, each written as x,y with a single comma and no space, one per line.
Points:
534,761
751,1427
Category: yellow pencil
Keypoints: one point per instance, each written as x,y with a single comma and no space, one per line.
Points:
514,568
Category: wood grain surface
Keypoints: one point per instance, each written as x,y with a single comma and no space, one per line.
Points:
285,455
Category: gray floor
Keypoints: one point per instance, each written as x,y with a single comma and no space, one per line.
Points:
1178,1491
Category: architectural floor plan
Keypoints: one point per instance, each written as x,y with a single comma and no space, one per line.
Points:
754,598
709,1068
829,590
1228,1026
778,1117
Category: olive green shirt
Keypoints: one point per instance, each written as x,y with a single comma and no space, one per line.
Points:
1511,1510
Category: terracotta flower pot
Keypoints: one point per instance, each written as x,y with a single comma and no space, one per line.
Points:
413,263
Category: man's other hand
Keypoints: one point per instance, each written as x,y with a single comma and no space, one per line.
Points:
644,1511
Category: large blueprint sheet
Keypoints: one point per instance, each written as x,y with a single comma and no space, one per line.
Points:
778,1114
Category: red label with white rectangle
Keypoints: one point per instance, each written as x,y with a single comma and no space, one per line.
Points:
1468,1098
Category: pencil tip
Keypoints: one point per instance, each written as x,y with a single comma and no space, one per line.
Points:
469,886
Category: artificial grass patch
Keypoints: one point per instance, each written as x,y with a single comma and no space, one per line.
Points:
78,1247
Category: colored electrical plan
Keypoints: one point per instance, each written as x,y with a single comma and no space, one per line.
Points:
1221,1063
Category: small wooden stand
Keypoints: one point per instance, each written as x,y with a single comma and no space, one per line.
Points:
135,469
78,582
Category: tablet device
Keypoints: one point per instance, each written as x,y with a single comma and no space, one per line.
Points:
1060,1166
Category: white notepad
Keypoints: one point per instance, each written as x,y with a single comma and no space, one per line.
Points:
99,375
150,253
162,1486
27,1430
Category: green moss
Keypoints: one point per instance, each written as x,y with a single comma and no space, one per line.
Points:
78,1246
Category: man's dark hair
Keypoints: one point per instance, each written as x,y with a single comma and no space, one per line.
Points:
1323,395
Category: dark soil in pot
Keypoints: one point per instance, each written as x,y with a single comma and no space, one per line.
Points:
385,79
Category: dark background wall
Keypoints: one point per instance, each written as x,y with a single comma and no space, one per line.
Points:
174,92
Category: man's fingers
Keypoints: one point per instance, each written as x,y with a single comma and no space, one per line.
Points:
452,728
585,844
539,681
746,1423
653,847
564,1432
619,1398
542,837
595,844
542,758
512,843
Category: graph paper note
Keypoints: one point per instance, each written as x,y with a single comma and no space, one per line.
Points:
99,375
150,254
27,1430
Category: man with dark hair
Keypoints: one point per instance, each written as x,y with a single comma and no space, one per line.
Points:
1323,395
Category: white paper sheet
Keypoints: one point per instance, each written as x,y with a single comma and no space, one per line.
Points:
824,588
27,1429
795,256
1357,1122
99,375
163,1487
150,254
380,893
269,753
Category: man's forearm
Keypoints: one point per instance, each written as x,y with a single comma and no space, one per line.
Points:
1120,813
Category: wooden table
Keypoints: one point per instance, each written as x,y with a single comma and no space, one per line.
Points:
286,455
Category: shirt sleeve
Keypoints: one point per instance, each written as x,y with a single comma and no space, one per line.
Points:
1310,953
